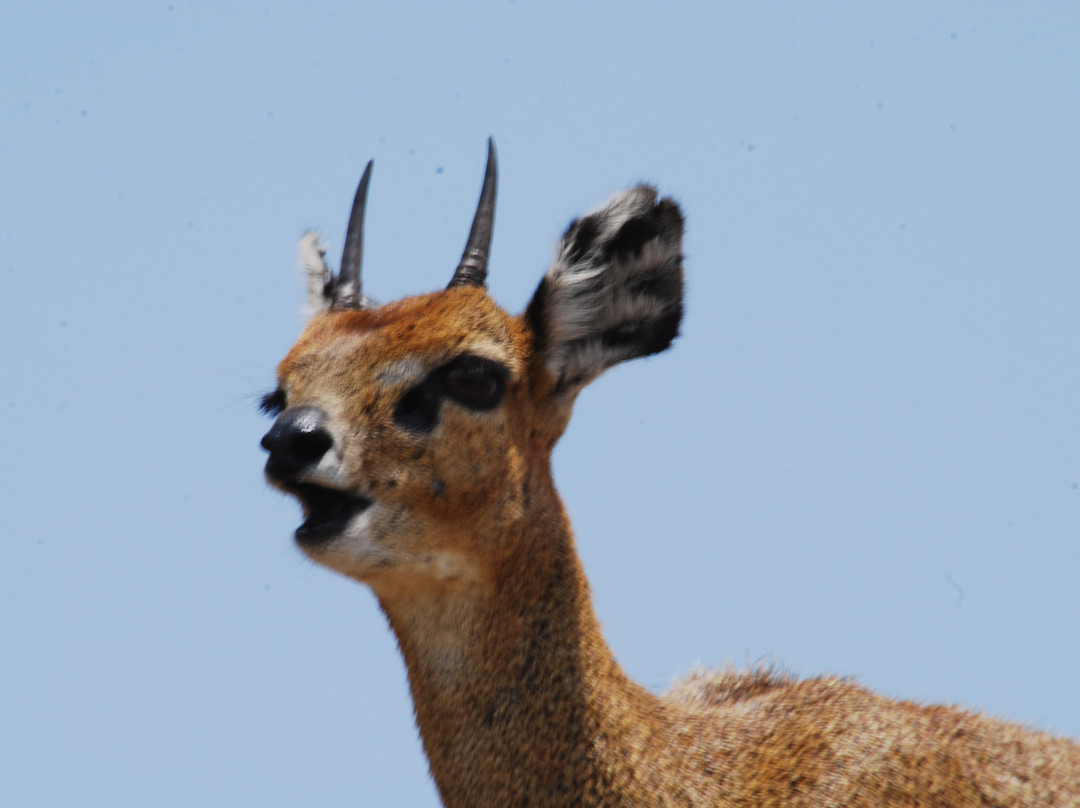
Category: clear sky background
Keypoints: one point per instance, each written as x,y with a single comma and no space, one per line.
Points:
861,457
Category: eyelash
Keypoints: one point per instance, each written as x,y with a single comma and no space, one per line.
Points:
273,403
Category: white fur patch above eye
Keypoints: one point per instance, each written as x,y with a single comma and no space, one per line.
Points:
311,255
401,371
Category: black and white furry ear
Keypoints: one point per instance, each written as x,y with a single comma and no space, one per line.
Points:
615,289
344,291
320,282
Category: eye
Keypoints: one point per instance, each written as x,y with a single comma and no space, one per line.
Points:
475,383
470,381
273,403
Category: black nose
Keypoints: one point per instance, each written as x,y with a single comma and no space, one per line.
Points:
297,440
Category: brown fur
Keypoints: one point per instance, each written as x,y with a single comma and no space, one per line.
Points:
518,698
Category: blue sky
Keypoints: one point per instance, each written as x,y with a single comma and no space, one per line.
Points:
861,457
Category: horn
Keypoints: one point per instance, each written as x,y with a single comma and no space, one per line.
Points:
472,271
348,293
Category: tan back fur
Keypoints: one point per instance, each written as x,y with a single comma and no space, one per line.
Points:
417,436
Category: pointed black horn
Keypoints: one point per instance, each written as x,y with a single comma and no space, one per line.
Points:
348,292
472,271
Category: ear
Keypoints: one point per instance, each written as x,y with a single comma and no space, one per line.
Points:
614,291
311,255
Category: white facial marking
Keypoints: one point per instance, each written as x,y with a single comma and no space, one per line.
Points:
401,371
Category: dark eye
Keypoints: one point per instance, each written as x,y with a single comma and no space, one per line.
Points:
475,383
470,381
273,403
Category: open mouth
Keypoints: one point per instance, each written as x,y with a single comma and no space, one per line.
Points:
326,511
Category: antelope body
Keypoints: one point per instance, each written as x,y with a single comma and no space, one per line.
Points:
417,436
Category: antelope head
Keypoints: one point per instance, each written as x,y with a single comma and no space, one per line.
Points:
417,434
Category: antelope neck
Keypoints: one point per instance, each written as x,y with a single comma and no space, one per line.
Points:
516,693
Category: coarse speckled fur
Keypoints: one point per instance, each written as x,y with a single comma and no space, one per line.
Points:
518,698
